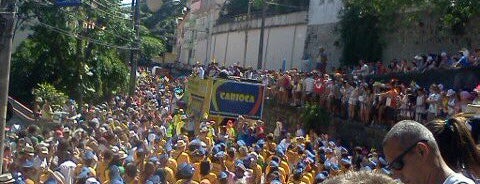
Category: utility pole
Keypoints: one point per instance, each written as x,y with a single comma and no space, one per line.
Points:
262,35
135,53
7,19
246,33
208,34
207,48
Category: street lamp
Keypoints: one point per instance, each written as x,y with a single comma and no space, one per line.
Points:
136,45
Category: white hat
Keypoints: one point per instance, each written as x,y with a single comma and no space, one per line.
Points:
6,178
92,181
450,92
122,154
440,86
115,149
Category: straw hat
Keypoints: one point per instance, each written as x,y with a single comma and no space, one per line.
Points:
6,178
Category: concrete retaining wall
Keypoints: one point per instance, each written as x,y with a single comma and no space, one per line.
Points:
284,39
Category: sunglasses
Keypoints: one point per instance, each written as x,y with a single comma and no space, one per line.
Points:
397,163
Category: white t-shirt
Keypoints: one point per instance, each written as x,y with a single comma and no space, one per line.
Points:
299,133
67,169
458,179
433,107
364,70
308,84
201,73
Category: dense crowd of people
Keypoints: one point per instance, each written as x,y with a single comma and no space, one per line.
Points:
420,63
150,138
352,97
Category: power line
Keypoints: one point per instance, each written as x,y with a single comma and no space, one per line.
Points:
76,36
90,7
111,5
85,20
105,12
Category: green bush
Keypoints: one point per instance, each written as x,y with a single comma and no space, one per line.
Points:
360,35
316,117
48,92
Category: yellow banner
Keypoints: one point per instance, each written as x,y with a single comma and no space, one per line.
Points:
199,87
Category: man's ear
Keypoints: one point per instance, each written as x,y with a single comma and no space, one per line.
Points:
423,149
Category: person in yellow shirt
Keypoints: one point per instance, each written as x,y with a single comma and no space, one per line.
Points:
297,177
251,162
150,168
275,167
211,129
292,155
88,161
321,177
131,172
205,172
185,174
205,181
274,178
180,154
230,160
84,174
172,164
231,129
163,161
102,167
180,124
218,162
307,177
197,158
139,159
203,136
284,166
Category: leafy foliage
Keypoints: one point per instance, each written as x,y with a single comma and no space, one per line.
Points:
47,92
152,47
315,117
78,50
360,35
364,22
163,23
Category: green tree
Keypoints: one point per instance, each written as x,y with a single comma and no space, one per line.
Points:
360,35
79,50
47,92
152,46
162,23
363,23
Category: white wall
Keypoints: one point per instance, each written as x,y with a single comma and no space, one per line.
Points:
252,49
200,50
279,43
220,43
284,38
324,11
235,49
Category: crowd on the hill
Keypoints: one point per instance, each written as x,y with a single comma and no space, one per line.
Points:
351,96
420,63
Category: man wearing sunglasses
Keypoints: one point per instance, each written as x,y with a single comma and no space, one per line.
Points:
414,156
